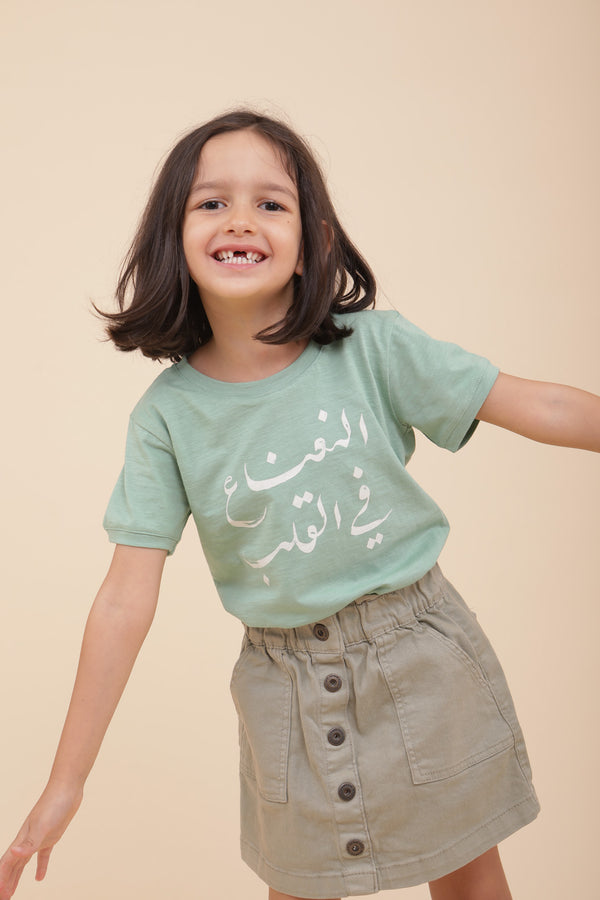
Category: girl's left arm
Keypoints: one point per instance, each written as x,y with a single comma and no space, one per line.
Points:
550,413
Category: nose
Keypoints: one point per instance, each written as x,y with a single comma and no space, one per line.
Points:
240,220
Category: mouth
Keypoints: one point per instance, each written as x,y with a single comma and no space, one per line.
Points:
238,257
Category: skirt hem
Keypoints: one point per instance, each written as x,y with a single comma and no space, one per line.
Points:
370,880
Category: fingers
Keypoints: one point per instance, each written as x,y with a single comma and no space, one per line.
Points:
11,868
14,861
42,863
43,827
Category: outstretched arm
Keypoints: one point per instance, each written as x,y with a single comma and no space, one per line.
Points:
117,625
550,413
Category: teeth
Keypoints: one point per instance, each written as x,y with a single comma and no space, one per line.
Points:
249,257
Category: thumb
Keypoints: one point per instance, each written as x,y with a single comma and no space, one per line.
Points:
24,849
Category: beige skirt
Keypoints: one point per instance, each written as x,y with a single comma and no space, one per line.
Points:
379,748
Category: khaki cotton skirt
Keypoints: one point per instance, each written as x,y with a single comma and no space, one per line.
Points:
379,747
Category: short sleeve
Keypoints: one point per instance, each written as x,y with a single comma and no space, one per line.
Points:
149,506
435,386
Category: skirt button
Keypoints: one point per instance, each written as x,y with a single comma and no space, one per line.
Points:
346,791
333,683
336,736
355,848
321,632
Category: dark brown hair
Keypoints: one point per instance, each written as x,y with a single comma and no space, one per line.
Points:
160,307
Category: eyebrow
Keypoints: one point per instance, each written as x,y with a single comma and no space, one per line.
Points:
270,186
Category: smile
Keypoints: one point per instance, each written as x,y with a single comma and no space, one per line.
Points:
238,257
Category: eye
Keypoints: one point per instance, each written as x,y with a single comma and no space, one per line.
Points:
271,206
211,204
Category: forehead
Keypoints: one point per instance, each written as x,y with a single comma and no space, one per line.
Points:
242,155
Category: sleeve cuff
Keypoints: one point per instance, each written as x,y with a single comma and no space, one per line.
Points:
138,539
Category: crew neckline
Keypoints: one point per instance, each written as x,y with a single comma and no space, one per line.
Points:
257,387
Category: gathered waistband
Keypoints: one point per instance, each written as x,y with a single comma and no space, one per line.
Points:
363,619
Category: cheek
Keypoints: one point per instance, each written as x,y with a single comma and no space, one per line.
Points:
193,245
189,259
185,239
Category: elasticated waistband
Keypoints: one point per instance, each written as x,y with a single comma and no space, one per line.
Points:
362,620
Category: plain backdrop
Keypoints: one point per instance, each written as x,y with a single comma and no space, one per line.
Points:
461,142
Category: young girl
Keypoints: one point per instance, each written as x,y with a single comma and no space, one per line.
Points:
379,746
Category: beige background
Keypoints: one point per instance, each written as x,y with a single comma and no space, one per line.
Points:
461,141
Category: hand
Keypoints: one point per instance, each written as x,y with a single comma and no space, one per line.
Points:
44,826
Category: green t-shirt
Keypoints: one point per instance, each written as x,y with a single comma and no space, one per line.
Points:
297,482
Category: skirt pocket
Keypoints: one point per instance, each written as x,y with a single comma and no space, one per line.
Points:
262,693
448,712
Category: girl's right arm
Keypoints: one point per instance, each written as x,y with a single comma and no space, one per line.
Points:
117,625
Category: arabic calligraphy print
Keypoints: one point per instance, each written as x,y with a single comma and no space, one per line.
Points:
302,501
365,494
230,490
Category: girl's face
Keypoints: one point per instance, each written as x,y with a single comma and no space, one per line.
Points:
242,232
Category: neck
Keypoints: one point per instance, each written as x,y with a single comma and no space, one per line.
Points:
233,354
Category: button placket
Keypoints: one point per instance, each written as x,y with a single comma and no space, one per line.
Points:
341,768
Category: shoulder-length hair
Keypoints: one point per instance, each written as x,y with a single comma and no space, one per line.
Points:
160,307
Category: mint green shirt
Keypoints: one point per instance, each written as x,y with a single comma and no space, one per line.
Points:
297,483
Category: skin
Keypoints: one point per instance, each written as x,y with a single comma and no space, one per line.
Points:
117,625
545,412
238,304
243,198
